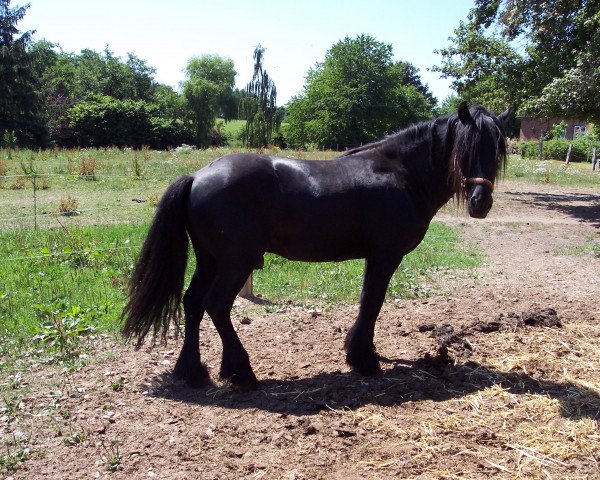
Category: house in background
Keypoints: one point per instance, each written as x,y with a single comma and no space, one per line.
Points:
532,128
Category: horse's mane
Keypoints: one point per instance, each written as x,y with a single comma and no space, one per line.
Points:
400,138
460,142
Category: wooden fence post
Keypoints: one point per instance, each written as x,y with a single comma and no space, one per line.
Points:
568,159
541,147
593,159
35,222
246,290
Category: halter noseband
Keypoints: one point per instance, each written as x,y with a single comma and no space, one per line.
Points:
480,181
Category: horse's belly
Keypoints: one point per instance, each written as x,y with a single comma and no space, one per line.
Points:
314,245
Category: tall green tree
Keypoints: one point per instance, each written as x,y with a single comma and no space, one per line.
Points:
543,57
142,78
209,84
356,95
259,105
21,109
484,68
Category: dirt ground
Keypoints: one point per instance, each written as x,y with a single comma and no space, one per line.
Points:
512,400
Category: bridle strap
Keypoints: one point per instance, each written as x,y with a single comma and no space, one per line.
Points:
481,181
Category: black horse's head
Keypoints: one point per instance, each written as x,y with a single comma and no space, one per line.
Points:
479,154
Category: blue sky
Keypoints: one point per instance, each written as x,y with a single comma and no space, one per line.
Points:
296,34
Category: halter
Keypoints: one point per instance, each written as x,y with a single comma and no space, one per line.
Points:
480,181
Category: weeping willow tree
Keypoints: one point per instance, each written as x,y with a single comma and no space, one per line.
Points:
258,106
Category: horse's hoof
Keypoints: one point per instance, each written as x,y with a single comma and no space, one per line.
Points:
196,377
366,365
244,381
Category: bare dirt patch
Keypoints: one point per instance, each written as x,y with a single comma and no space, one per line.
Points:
496,386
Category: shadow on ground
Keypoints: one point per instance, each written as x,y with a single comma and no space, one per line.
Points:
403,382
584,207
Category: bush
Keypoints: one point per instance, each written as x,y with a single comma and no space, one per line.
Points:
103,121
557,148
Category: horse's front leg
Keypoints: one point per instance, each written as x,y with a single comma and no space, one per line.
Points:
360,351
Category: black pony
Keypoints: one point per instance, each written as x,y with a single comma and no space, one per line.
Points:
374,202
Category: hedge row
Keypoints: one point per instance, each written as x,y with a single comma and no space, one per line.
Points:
557,148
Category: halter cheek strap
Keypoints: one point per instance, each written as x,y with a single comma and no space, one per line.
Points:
480,181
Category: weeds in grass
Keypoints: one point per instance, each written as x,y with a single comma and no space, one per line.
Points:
116,384
153,199
138,168
62,328
19,184
146,153
590,248
59,268
74,438
72,167
111,456
42,183
27,166
551,172
15,454
68,205
87,168
3,168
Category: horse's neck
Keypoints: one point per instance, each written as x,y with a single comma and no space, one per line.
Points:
427,165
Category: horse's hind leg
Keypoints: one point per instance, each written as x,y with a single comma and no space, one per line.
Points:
189,366
235,363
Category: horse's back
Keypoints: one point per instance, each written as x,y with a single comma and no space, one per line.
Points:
301,209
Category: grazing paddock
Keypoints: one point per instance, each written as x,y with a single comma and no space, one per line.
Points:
510,400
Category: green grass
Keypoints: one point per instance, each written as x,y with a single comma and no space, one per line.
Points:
60,282
591,248
233,130
552,172
113,194
69,276
56,269
441,249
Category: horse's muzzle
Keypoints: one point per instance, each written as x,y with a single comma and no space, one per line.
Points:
479,201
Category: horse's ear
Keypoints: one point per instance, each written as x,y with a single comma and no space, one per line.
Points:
463,113
504,116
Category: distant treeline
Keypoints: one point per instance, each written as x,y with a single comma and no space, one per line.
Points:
49,97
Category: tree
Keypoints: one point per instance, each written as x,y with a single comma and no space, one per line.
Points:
357,94
259,106
209,84
555,70
408,75
485,68
20,100
450,105
142,77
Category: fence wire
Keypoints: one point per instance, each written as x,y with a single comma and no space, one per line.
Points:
70,252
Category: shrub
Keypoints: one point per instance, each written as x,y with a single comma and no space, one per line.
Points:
42,183
102,121
19,184
87,168
557,148
68,206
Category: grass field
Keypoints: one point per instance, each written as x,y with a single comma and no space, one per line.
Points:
554,172
93,208
71,279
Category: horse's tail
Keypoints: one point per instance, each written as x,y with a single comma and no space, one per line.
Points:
155,288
